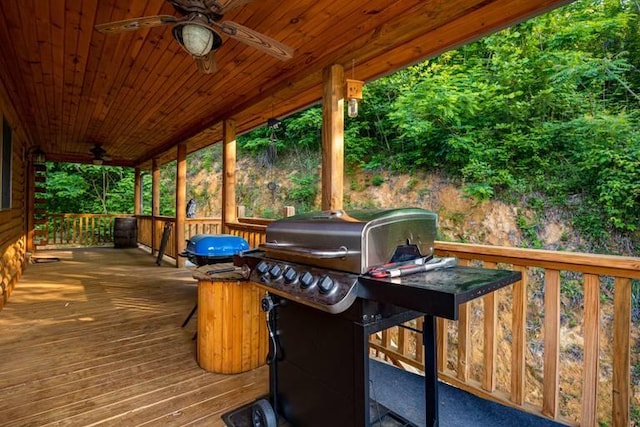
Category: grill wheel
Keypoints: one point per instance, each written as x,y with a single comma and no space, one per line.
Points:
262,414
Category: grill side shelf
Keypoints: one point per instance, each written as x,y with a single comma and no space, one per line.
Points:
438,293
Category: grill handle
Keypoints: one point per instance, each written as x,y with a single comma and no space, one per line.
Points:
306,252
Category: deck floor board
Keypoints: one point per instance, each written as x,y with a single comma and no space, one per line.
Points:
95,339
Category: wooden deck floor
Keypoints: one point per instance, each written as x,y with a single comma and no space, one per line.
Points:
95,339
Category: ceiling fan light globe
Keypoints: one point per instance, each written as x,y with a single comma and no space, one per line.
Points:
198,40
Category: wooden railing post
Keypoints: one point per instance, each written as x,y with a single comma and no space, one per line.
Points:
490,338
622,352
591,349
551,343
442,334
288,211
464,333
137,192
519,336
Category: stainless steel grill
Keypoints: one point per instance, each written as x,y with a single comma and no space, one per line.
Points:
334,278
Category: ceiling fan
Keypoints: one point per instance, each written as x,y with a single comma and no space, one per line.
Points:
99,155
198,30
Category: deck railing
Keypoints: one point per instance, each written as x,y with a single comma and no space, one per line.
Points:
192,227
145,225
546,345
195,226
78,229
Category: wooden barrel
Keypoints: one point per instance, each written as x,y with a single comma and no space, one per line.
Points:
125,232
232,331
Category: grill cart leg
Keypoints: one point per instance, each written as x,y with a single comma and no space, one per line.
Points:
430,371
193,311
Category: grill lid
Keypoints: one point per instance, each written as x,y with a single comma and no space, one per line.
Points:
213,248
352,241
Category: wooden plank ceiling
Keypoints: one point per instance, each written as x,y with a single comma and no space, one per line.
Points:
139,94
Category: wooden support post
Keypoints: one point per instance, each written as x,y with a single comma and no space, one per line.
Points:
181,201
137,193
155,204
31,195
228,174
332,137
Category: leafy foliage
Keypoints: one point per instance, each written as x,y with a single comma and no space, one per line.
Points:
74,188
303,193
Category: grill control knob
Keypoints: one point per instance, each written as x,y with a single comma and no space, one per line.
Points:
275,271
262,267
325,284
306,280
290,275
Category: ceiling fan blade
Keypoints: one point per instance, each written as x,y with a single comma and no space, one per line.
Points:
255,39
136,24
223,6
206,64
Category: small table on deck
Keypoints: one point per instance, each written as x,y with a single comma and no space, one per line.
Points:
232,333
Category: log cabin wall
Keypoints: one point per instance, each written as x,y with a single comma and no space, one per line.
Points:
13,240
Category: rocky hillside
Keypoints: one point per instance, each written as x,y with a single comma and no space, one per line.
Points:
264,191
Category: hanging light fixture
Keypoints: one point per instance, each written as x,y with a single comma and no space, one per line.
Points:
353,93
38,156
196,37
197,40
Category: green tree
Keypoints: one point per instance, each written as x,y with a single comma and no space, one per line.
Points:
76,188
